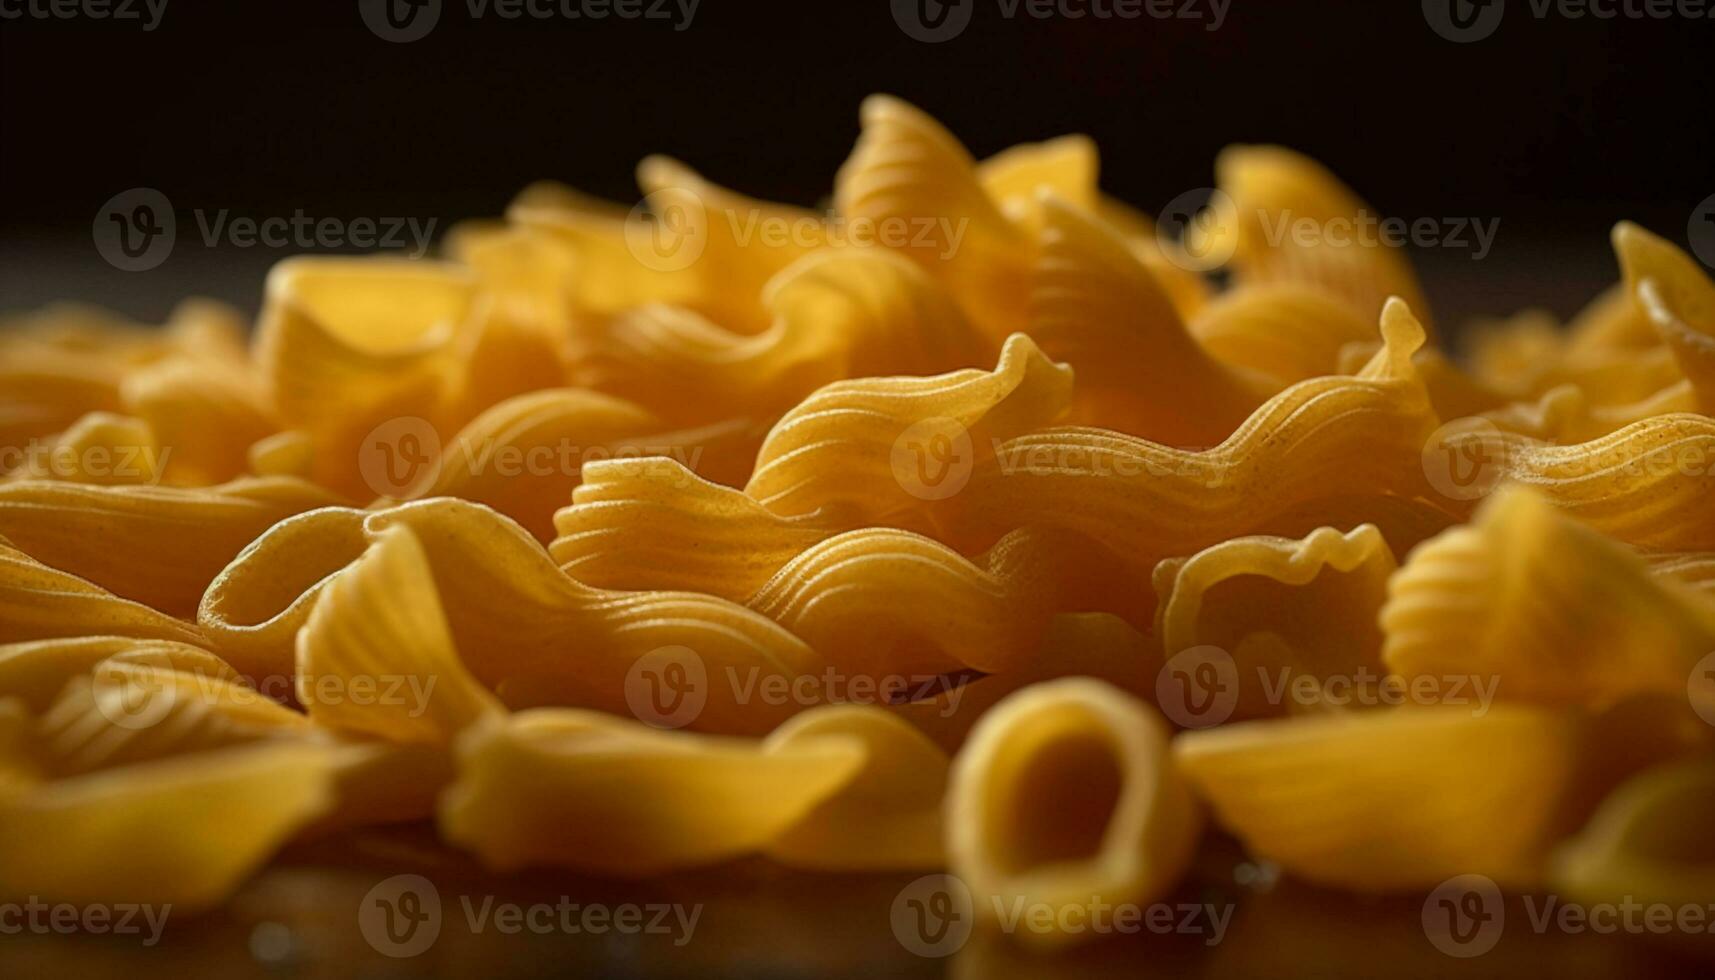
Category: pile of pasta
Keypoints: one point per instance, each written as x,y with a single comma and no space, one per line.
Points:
1143,464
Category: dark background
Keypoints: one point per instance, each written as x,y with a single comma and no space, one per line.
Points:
1557,127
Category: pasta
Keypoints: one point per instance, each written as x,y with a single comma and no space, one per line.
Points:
875,539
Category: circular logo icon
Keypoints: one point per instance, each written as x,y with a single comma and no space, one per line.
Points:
400,21
932,459
1700,688
400,458
667,687
401,917
1198,687
135,229
1199,230
134,698
668,230
932,21
1464,916
933,916
1465,459
1464,21
1702,231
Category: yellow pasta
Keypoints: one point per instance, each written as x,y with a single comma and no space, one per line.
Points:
1066,795
1646,844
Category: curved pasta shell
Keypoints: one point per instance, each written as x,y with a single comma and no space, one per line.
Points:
1679,299
888,817
842,450
1066,794
1285,331
35,673
42,603
909,174
207,416
183,832
1147,502
160,546
1390,800
99,448
591,792
380,626
1554,611
1094,306
1292,608
1015,177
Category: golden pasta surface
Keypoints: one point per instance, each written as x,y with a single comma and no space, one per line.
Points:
1017,551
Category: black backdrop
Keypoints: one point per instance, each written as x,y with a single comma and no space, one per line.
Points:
1556,126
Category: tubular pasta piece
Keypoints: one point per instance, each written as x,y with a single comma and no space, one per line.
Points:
1066,794
591,792
888,817
1554,611
1387,800
1282,607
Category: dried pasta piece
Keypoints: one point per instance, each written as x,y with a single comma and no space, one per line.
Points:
909,176
1066,794
1014,178
878,601
1094,306
42,603
596,247
1147,502
35,673
1613,320
653,524
1282,608
1679,299
1647,843
846,313
252,611
160,546
1285,331
1271,189
876,449
1387,800
888,817
100,448
1694,568
132,710
183,832
588,791
524,456
346,345
380,625
1556,612
206,416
